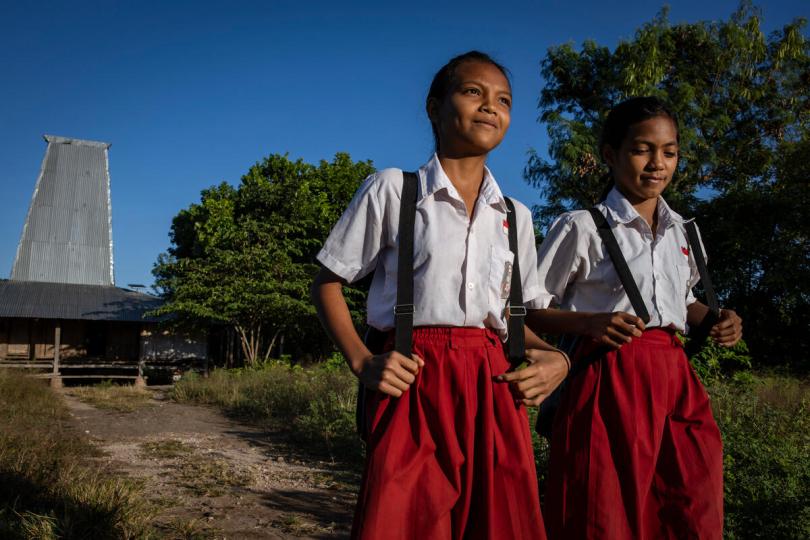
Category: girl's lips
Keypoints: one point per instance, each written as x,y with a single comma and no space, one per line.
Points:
485,123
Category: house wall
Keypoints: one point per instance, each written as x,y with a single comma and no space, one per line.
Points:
33,339
159,345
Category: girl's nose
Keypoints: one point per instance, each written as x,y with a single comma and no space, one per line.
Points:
657,161
489,104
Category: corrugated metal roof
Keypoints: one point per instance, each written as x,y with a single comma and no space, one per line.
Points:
67,236
28,299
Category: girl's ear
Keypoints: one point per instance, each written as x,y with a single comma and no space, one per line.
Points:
609,155
432,109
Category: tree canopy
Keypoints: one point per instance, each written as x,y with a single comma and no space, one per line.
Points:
245,256
744,125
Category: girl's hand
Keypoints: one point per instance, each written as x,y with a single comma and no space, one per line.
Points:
534,383
613,329
728,330
390,373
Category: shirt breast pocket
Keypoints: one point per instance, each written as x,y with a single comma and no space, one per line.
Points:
500,277
683,275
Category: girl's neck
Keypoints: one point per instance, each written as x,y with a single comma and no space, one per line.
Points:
646,208
467,175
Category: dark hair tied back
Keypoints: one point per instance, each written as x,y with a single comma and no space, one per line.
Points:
621,117
445,78
630,112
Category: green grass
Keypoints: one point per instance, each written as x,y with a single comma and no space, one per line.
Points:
49,487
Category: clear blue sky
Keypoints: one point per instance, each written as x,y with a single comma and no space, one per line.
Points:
193,93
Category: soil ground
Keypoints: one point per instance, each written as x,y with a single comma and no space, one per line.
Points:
214,477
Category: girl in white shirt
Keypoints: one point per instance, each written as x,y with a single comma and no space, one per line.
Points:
635,451
449,451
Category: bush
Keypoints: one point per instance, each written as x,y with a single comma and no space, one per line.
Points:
766,437
315,405
714,361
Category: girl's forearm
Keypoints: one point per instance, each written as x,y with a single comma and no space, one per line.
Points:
695,312
533,341
327,296
557,321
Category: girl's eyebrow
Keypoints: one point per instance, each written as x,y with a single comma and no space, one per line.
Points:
643,141
480,83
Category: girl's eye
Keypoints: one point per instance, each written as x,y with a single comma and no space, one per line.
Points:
506,101
638,151
671,154
473,91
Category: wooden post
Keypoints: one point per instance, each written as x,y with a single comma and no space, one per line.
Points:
140,382
56,380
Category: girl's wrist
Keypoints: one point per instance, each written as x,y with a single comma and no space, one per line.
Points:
358,360
565,358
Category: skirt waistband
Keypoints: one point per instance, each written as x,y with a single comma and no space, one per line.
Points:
456,336
659,336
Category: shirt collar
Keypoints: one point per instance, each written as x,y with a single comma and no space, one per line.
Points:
432,178
623,212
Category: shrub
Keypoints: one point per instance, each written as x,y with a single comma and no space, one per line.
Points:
766,437
714,361
315,405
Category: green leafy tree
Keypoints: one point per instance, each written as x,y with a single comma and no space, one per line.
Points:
245,256
744,111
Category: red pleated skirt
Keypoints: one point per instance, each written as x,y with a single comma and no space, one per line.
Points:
635,451
452,457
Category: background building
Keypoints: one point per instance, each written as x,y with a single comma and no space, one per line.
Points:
61,310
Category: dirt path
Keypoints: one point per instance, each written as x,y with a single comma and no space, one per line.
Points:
216,478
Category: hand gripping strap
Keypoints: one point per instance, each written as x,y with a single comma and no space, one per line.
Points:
698,335
620,264
403,311
514,307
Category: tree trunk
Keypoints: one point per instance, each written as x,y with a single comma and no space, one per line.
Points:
270,347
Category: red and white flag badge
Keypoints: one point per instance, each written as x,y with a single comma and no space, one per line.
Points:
506,226
685,250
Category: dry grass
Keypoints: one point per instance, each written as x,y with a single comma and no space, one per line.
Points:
166,449
202,475
49,486
122,398
297,526
206,476
189,529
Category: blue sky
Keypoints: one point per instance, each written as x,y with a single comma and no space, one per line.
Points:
193,93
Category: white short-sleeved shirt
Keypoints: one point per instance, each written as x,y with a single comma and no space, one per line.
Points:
461,266
577,274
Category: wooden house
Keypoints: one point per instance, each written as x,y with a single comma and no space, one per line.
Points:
60,310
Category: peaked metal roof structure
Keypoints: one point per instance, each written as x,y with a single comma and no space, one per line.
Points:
67,236
34,300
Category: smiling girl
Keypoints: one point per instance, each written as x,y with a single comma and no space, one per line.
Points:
449,450
635,451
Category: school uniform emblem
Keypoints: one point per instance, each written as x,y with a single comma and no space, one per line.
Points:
506,226
506,281
685,250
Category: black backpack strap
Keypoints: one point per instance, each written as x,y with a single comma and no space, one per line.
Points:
619,262
403,311
698,335
516,345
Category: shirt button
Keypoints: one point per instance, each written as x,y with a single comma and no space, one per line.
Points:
470,285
